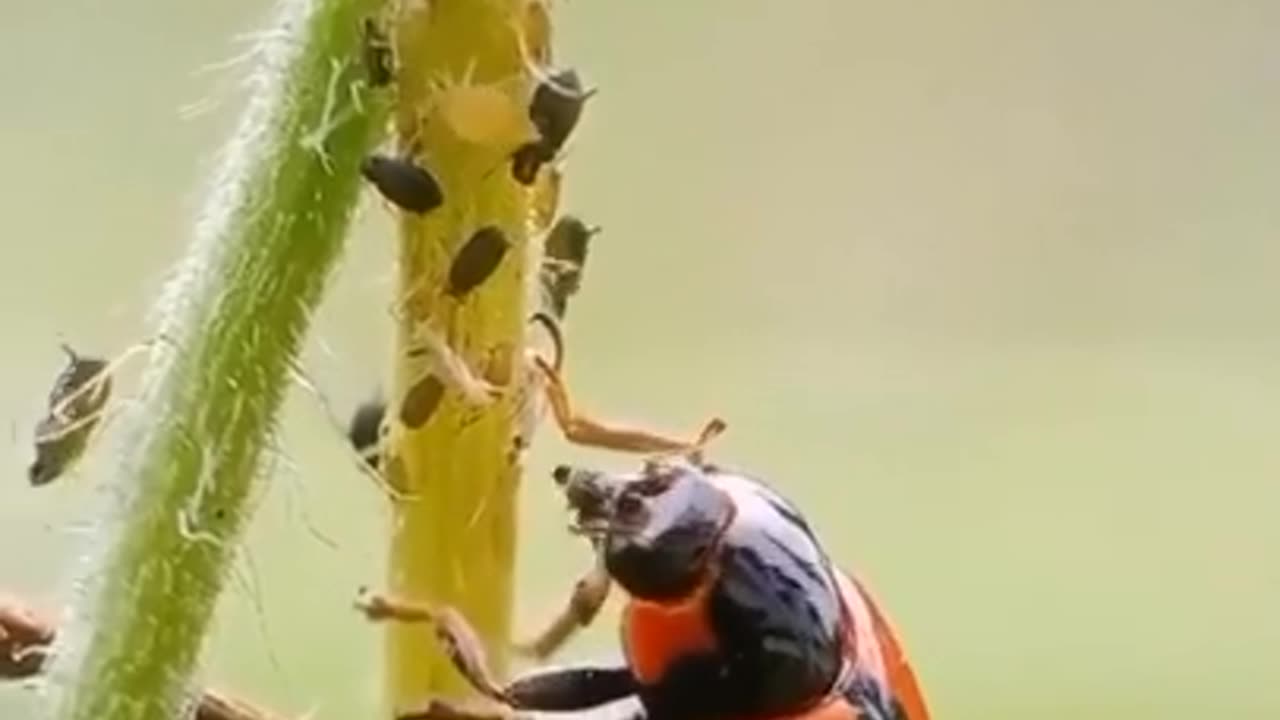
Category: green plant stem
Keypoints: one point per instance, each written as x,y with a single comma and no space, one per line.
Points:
231,324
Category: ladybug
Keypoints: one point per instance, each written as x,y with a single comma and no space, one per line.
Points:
734,609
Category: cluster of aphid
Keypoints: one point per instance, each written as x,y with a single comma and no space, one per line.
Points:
734,609
407,182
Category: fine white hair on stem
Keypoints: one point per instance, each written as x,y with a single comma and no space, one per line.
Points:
180,313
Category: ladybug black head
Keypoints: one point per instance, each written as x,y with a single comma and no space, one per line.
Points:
659,528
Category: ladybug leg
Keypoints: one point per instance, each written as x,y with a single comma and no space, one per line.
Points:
570,689
455,634
589,595
588,432
437,709
548,690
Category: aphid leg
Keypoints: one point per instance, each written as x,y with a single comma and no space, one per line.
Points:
589,595
63,431
99,381
300,376
454,369
588,432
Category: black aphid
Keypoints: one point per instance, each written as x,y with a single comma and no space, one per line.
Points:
569,239
555,110
476,260
403,182
365,430
565,256
421,401
378,57
75,407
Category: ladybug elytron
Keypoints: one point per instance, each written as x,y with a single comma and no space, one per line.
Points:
734,610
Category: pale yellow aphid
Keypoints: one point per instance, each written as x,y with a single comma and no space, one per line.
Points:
492,114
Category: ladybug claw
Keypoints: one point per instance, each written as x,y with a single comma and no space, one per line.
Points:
588,597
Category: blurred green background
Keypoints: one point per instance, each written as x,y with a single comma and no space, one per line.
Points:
988,287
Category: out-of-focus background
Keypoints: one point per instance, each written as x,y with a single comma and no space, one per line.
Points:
989,288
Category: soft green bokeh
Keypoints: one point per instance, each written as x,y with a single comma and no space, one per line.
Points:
987,287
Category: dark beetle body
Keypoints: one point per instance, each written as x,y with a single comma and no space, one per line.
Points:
74,412
477,259
409,185
555,110
421,401
365,428
565,255
735,611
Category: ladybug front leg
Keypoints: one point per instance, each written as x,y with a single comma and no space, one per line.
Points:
459,639
554,690
589,432
589,595
444,710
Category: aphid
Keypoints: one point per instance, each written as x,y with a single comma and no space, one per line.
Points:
365,430
378,56
734,610
476,260
565,256
75,408
421,401
555,110
403,182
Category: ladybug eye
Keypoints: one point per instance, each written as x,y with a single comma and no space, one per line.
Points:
629,505
654,484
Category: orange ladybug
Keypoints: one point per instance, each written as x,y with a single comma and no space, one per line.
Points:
734,611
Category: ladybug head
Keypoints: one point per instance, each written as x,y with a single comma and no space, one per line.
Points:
658,528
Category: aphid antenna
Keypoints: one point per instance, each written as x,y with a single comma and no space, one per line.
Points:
300,376
296,498
539,70
250,581
71,427
454,369
109,369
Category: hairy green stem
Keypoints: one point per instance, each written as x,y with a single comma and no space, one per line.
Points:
231,323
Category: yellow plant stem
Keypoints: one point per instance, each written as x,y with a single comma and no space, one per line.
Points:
462,94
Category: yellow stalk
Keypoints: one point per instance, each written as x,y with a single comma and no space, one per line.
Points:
462,108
